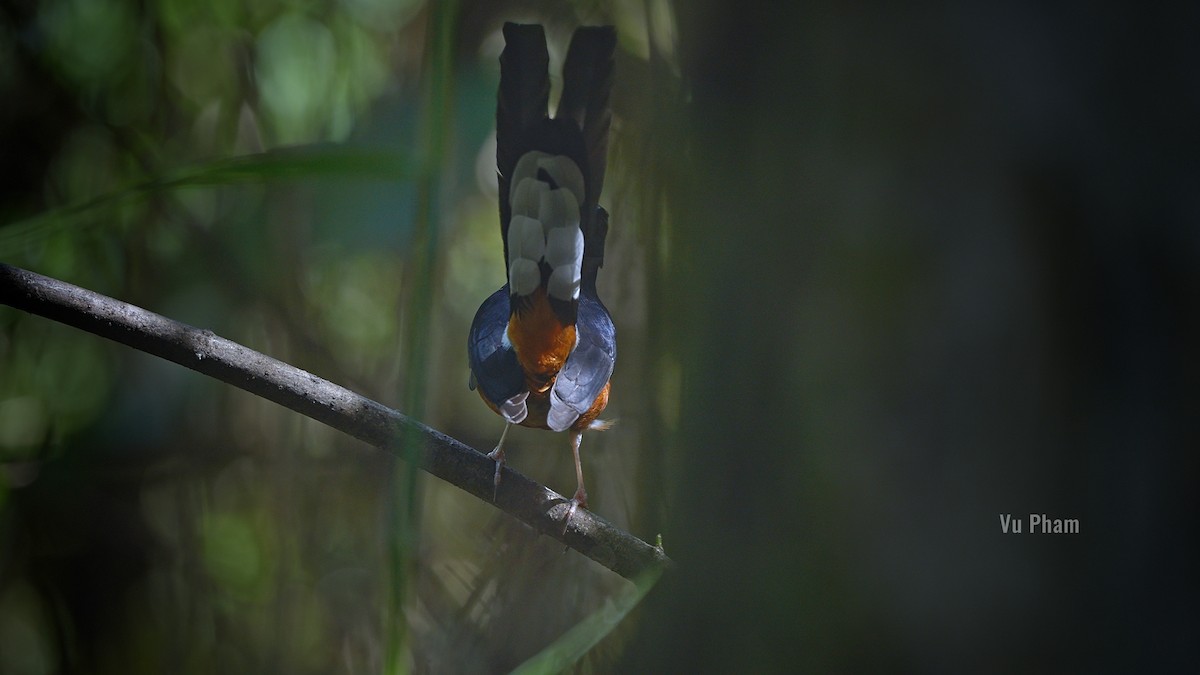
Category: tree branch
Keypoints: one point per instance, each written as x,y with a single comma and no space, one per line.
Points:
328,403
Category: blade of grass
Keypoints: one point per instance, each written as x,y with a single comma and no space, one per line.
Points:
579,640
418,285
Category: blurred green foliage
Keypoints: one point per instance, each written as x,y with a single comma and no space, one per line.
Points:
314,180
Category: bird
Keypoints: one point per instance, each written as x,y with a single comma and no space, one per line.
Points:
542,348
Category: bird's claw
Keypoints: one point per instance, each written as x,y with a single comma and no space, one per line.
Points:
580,499
496,455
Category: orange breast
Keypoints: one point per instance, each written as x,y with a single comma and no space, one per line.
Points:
541,341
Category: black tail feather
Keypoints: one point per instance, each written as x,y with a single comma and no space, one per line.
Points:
595,231
587,81
522,101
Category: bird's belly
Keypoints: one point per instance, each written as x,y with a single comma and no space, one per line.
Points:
541,341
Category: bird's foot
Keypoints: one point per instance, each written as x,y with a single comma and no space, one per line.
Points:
498,456
580,499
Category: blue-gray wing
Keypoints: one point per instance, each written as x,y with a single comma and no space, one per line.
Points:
494,366
589,366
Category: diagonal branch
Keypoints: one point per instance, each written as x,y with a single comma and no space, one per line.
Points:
328,403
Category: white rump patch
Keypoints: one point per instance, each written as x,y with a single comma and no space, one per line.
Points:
565,173
526,196
523,276
564,283
558,209
526,239
561,169
564,246
545,225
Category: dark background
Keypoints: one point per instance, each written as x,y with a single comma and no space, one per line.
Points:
880,275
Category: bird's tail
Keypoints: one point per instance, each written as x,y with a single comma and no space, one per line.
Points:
552,170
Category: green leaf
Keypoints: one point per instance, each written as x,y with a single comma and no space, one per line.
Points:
568,649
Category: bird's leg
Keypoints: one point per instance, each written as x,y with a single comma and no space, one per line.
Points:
580,498
497,454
